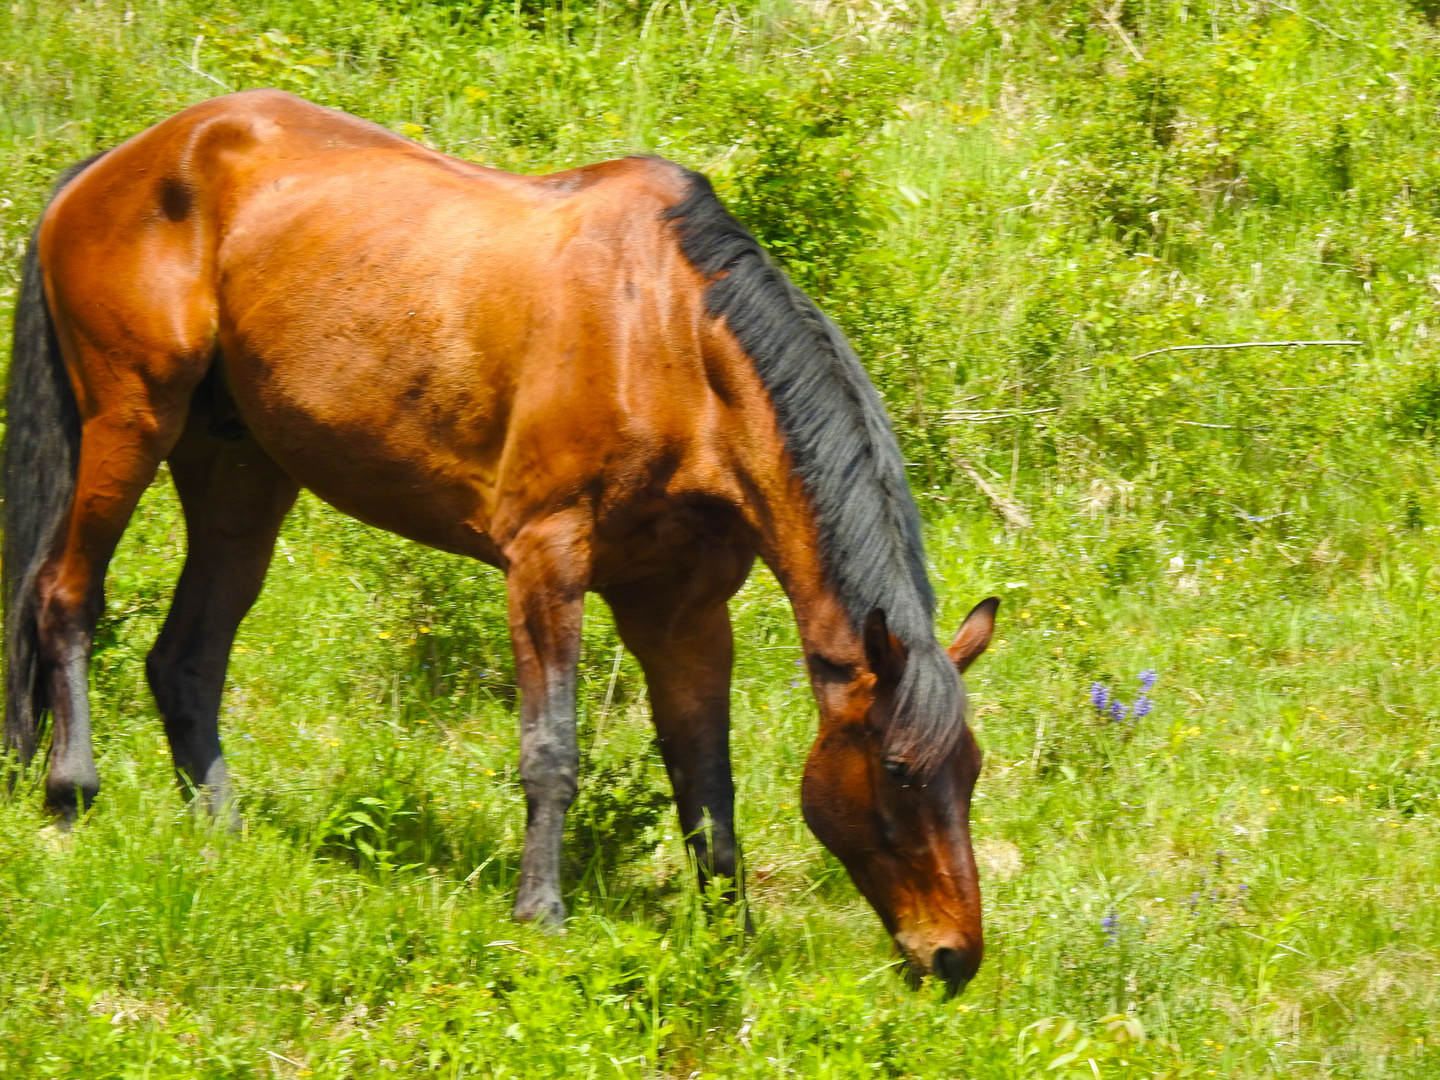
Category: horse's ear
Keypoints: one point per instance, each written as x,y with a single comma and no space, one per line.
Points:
883,651
974,633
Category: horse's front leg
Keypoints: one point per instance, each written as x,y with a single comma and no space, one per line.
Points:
545,578
678,626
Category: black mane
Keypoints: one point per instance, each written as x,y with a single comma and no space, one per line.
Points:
839,437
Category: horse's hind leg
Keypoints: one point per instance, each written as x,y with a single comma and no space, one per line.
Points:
119,453
235,498
678,627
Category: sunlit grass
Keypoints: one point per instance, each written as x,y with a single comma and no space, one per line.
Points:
1249,870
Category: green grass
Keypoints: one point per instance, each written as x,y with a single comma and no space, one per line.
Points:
1005,209
1265,838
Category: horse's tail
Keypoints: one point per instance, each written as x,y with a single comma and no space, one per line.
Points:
41,457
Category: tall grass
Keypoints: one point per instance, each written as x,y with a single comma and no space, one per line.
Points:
1006,205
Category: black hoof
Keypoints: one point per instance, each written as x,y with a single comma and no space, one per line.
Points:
68,801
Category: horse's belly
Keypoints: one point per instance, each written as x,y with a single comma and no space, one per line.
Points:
383,482
388,438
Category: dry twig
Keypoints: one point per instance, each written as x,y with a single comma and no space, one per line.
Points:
1241,345
1015,515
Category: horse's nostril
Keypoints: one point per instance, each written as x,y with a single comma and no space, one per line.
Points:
949,966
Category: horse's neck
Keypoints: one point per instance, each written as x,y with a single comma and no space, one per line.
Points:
834,658
779,510
791,544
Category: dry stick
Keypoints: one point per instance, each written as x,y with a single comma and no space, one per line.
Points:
1222,427
609,695
1241,345
989,416
1109,17
1312,22
205,75
1014,514
282,1057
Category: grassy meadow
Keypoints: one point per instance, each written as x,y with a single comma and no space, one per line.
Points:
1019,211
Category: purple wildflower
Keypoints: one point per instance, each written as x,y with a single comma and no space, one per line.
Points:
1147,679
1143,705
1099,696
1111,925
1118,709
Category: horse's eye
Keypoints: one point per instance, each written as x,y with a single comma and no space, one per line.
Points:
899,770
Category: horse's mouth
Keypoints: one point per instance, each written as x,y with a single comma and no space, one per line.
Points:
947,965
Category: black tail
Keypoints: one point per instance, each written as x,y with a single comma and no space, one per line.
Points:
42,453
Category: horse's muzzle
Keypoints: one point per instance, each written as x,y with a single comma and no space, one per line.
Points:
952,968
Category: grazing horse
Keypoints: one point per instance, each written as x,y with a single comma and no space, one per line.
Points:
595,381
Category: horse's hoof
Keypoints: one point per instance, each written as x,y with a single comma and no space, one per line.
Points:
66,802
218,810
57,836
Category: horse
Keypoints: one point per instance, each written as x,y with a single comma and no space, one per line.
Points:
595,380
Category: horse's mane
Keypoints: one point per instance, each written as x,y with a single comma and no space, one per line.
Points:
840,440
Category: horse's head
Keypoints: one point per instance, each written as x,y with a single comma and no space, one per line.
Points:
902,826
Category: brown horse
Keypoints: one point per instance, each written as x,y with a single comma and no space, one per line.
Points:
594,380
